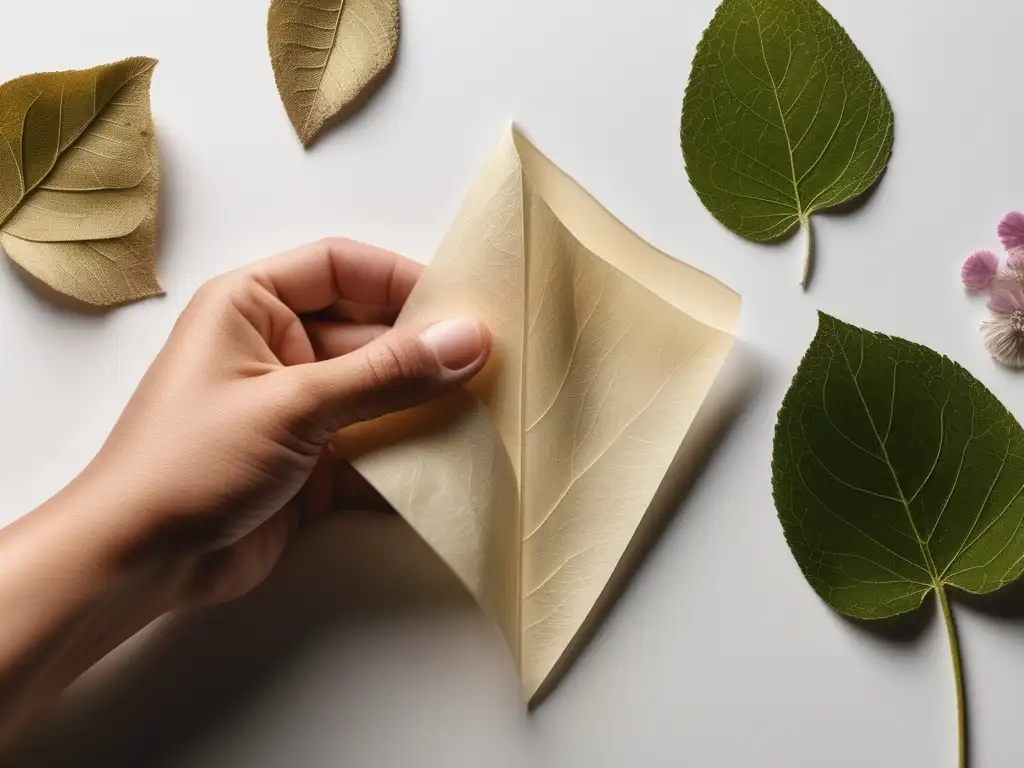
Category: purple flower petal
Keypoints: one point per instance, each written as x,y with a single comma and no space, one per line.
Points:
1011,231
1013,270
1006,298
979,270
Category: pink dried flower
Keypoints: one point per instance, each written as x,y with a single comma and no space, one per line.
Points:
1014,267
1011,232
1003,332
979,270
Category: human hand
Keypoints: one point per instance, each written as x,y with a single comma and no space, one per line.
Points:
223,446
218,454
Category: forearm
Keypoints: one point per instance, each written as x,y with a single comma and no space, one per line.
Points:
217,457
74,584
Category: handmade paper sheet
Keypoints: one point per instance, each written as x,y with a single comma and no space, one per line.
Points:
532,483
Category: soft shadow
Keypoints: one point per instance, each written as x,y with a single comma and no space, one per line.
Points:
901,630
1006,603
62,303
165,202
163,692
739,382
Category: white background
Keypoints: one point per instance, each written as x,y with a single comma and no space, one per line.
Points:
719,653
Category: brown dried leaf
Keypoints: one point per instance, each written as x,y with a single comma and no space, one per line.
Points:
79,178
327,53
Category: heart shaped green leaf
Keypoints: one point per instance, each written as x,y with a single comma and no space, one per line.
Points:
78,180
783,116
896,473
327,54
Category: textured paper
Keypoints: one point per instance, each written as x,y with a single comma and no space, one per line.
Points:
79,179
532,483
327,53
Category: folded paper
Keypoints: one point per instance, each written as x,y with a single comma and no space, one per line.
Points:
531,483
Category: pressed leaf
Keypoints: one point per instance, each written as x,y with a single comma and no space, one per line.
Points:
327,53
536,489
79,179
896,473
782,117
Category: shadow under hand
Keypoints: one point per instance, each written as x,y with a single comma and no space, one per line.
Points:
737,384
162,692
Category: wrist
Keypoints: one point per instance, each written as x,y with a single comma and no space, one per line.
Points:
111,537
76,580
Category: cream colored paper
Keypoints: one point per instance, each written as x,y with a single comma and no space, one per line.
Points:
531,484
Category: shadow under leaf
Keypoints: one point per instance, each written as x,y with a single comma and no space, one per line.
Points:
905,629
1006,603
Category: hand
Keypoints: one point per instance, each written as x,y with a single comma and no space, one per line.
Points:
217,456
222,448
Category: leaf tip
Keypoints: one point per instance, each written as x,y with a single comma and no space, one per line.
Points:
306,136
825,320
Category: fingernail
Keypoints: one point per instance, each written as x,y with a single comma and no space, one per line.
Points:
458,343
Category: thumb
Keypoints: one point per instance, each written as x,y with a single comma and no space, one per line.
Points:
403,368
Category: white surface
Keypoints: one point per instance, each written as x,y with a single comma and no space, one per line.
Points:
719,653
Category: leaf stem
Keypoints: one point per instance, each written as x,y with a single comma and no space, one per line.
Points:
958,678
805,223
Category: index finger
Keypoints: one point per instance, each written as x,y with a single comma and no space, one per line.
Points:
313,277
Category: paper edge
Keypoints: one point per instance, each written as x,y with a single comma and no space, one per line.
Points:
701,296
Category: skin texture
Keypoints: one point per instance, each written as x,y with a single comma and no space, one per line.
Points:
219,456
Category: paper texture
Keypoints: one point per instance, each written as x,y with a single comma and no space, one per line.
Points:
532,483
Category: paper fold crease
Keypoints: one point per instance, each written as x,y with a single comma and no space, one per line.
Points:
532,483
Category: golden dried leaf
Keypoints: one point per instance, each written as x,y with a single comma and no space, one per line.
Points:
79,178
327,53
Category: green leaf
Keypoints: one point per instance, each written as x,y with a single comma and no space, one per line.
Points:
783,116
896,473
79,178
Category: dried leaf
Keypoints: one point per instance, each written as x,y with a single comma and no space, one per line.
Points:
783,117
327,53
897,474
79,178
535,489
